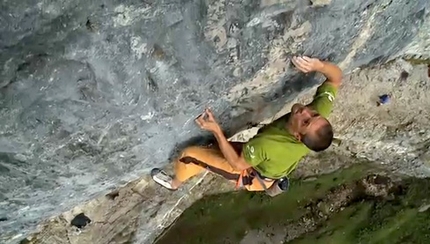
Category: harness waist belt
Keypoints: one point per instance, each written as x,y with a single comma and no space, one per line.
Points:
262,176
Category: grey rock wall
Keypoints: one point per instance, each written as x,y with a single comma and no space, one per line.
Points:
96,93
393,137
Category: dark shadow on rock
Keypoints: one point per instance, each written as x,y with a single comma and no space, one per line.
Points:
202,140
80,220
270,104
256,108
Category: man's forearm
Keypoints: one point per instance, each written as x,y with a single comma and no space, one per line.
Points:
332,72
227,150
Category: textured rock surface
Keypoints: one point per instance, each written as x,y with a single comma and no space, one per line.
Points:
95,94
369,137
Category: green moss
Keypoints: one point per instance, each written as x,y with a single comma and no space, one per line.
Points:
226,218
379,222
231,215
336,230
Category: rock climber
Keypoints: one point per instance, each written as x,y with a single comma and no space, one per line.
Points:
274,152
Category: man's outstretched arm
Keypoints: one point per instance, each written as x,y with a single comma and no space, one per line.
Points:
332,72
326,93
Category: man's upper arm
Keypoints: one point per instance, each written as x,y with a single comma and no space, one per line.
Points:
324,98
254,153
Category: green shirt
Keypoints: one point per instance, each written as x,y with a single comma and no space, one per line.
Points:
274,152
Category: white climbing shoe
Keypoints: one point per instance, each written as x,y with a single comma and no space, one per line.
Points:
162,178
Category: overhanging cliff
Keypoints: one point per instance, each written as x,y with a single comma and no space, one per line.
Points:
94,94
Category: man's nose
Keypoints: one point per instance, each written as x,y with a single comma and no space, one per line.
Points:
306,112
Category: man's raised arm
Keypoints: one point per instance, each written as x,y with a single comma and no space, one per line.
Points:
332,72
326,93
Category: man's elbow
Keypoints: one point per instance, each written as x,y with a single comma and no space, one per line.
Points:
337,80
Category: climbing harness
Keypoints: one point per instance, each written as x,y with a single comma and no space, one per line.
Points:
279,186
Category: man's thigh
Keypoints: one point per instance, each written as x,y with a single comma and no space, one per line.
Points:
210,158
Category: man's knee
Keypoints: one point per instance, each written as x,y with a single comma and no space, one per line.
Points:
187,164
192,152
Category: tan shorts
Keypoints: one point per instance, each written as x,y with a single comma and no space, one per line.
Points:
195,160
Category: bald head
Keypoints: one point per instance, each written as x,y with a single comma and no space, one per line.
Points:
320,138
309,127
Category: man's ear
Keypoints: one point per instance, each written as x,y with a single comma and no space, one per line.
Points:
298,136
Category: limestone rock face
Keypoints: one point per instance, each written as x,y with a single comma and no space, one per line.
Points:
94,94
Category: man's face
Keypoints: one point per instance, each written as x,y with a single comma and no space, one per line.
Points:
305,121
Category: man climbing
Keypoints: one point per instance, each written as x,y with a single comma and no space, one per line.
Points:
277,148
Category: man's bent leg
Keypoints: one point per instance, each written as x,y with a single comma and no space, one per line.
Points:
194,160
183,171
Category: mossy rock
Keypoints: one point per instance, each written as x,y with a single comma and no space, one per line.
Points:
227,218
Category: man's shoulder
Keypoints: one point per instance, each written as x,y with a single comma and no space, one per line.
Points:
327,89
324,98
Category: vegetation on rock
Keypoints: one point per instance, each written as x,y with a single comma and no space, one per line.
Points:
347,206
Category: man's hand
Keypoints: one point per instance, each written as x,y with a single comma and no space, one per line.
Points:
207,121
331,71
307,64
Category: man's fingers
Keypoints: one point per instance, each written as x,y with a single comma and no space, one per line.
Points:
308,59
304,63
301,64
210,114
199,121
296,63
199,116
